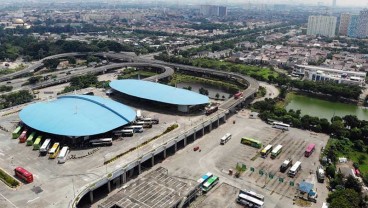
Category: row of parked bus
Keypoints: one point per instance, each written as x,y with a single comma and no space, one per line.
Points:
208,181
269,149
44,147
137,126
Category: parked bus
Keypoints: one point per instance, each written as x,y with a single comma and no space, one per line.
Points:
275,152
252,194
16,132
136,128
225,138
127,132
101,142
285,165
210,183
23,174
54,150
45,147
204,178
280,125
30,140
23,137
37,143
238,95
249,201
266,151
251,142
124,132
295,169
152,120
145,124
63,154
309,150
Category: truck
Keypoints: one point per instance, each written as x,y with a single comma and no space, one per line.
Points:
320,172
211,110
285,165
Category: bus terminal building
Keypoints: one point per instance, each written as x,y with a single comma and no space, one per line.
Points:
153,93
76,116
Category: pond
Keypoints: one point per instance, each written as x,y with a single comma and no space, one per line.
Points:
324,108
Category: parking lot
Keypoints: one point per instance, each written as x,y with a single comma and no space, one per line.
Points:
218,159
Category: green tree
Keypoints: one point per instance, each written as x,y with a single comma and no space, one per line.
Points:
51,63
347,198
353,183
217,95
34,80
330,171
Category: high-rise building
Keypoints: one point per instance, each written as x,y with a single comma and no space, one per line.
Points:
344,24
333,3
222,11
363,24
212,10
353,26
322,25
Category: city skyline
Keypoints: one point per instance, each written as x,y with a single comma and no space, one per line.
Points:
339,3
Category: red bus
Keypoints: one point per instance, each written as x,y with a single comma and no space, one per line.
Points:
24,174
238,95
211,110
309,150
23,137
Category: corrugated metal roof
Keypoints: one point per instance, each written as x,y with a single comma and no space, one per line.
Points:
158,92
77,115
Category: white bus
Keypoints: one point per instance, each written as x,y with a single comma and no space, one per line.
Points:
45,147
136,128
249,201
252,194
266,151
225,138
101,142
280,125
275,152
127,132
145,124
295,169
63,154
153,120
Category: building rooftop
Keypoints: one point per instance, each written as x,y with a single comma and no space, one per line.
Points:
158,92
77,115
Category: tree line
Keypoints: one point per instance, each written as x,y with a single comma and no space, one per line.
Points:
15,98
268,75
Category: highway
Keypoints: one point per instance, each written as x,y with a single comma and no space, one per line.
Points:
135,61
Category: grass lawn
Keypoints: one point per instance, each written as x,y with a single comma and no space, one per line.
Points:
250,70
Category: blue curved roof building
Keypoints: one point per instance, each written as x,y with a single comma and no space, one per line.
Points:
158,92
77,115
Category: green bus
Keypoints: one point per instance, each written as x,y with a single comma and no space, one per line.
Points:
251,142
37,143
16,132
210,183
30,140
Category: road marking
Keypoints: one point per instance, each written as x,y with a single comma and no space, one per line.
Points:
8,200
32,199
